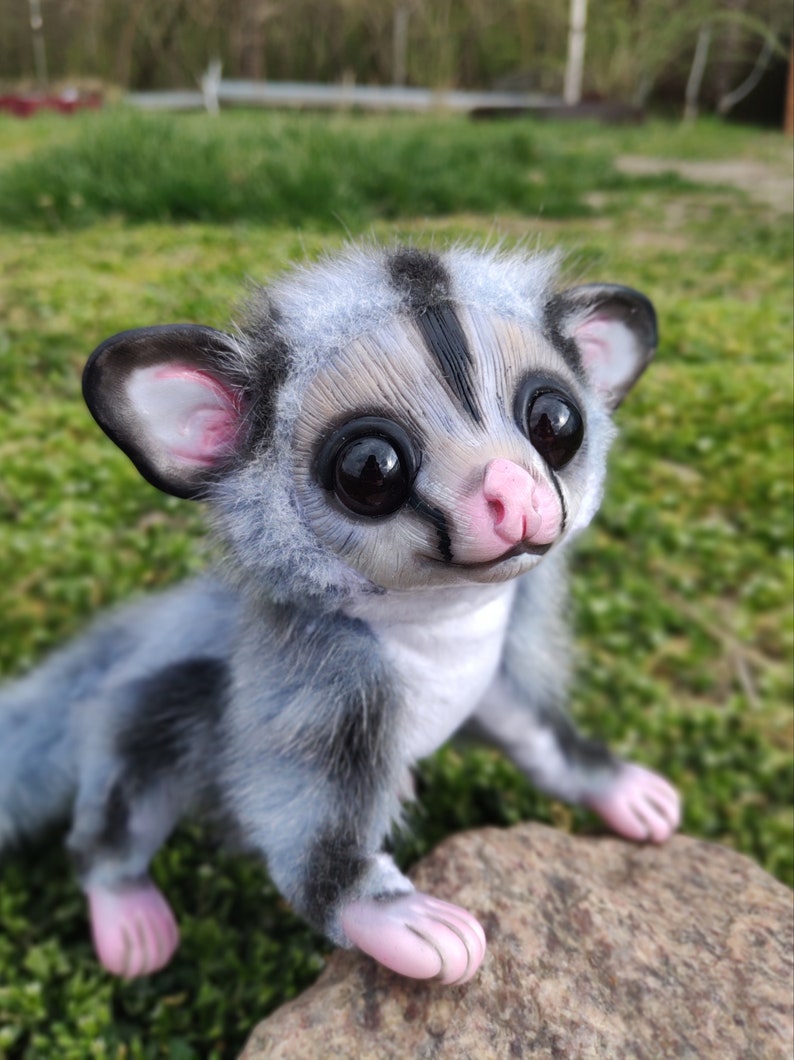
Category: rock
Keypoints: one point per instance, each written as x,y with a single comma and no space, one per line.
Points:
596,949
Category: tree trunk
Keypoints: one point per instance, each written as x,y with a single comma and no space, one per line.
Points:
251,40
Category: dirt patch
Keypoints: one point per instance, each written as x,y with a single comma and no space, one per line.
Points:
771,185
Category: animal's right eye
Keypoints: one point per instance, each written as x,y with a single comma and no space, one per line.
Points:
370,465
551,420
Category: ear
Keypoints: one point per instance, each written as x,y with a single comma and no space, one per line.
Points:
614,331
160,394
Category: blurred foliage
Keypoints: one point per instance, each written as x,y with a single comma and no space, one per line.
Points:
682,589
631,47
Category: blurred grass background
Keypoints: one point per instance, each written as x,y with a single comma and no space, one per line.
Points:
682,588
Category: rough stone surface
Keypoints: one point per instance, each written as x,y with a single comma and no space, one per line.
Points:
596,949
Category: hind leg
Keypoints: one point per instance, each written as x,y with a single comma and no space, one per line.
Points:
133,928
113,840
144,744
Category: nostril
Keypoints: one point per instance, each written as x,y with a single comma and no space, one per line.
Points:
497,510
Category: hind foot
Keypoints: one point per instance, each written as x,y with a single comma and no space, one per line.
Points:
418,936
133,928
639,805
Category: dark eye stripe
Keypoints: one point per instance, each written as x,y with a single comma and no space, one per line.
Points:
563,506
439,521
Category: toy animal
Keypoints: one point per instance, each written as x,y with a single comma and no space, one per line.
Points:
397,448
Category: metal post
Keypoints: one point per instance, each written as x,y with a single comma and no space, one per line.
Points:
39,52
400,44
572,91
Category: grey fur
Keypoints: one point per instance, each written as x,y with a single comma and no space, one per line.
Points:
310,732
524,713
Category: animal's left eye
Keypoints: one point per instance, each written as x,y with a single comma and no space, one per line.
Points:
370,464
552,422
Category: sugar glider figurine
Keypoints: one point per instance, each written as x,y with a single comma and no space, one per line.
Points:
397,447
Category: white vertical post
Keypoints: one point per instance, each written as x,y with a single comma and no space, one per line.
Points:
39,52
210,86
400,44
572,90
696,73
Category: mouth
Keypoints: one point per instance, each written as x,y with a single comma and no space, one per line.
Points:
523,548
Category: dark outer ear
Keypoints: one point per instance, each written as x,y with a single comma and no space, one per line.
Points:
610,333
160,394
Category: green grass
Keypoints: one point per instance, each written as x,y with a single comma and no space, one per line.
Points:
317,171
683,587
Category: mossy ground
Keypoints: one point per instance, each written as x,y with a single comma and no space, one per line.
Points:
683,587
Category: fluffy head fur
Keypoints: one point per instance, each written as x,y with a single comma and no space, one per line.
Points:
436,347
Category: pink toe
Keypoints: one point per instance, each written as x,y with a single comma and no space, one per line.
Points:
417,936
639,805
133,928
378,928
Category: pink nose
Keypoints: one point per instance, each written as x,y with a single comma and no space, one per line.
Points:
520,507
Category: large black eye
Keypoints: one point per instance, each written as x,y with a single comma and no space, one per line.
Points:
552,422
370,464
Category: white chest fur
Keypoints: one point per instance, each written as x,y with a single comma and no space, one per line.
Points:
445,647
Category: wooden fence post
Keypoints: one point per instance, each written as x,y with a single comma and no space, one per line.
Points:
788,124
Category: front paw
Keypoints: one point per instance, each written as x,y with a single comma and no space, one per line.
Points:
638,805
133,928
418,936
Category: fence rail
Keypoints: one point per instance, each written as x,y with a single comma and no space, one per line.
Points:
341,96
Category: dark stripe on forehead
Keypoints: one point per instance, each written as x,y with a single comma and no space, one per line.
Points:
445,339
423,282
420,277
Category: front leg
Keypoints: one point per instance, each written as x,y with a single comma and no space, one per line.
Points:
313,776
545,744
638,804
322,843
524,714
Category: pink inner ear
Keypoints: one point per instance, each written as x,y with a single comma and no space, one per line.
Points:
609,352
186,412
